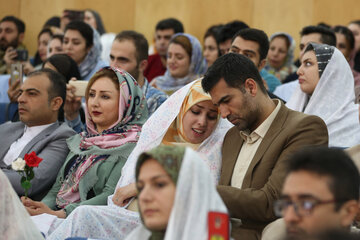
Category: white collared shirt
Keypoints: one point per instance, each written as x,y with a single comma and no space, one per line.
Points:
18,146
251,143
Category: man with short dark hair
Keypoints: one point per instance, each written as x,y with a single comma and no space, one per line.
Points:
129,52
320,193
12,32
227,33
42,96
255,150
164,30
254,44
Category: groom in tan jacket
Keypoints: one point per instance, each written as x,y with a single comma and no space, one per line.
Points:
256,149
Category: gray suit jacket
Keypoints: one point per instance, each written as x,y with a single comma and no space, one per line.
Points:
50,144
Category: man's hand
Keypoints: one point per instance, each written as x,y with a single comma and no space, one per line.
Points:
9,56
13,90
72,103
123,195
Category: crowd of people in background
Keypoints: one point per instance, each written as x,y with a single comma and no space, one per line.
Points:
225,137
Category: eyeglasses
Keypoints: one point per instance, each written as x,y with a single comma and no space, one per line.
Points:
302,207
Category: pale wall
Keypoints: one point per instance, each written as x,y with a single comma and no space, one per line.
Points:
197,15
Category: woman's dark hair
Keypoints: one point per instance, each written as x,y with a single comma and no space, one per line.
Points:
349,36
84,29
37,59
214,31
58,36
184,42
99,23
65,65
52,22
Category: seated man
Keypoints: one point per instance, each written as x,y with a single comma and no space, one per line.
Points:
41,97
129,52
12,32
320,193
254,44
164,30
256,149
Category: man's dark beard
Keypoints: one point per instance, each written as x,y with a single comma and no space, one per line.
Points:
4,44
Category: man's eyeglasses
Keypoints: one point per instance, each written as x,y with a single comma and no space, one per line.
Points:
302,207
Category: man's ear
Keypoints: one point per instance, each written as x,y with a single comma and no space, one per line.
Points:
261,64
21,38
142,66
56,103
251,86
348,212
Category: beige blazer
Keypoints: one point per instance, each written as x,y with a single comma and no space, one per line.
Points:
253,203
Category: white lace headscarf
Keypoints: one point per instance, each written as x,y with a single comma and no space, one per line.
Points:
332,99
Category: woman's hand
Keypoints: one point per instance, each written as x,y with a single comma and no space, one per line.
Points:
36,208
72,103
123,195
13,90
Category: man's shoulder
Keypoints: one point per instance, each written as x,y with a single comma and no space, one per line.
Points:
9,126
295,117
61,129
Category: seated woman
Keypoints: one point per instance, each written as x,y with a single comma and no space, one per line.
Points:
15,221
345,42
327,90
280,56
36,62
176,194
82,44
63,64
116,111
211,46
55,45
187,118
185,63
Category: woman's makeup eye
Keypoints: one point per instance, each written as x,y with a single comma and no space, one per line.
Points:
160,184
91,94
195,112
212,117
139,187
308,64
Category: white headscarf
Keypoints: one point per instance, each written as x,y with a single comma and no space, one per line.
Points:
15,222
195,196
156,127
333,101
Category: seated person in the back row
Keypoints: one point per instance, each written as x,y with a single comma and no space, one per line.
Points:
12,32
320,193
41,97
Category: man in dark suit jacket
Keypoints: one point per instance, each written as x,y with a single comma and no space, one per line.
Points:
41,97
256,149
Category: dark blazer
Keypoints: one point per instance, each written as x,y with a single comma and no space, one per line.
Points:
262,184
50,144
